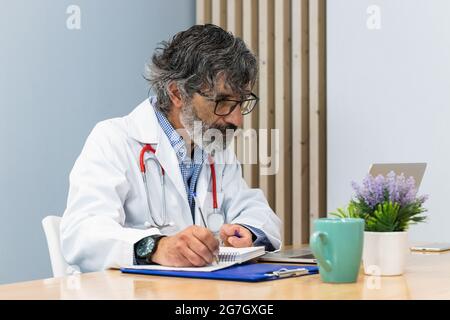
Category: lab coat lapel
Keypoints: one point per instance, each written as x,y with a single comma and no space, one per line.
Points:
142,124
169,161
144,127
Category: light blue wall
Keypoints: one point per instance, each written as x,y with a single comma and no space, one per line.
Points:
389,98
55,84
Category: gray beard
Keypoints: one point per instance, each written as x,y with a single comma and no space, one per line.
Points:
208,138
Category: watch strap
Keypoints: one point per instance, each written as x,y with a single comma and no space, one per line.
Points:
147,260
157,239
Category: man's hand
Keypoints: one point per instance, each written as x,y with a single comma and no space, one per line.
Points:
194,246
234,235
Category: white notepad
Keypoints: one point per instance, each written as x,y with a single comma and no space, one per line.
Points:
228,256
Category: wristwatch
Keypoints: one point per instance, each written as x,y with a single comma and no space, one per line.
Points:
145,248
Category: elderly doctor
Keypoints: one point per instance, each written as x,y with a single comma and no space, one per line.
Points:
156,187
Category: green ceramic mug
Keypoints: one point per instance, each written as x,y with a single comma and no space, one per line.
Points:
337,245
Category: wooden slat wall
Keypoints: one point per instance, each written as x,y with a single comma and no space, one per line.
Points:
300,121
288,36
266,89
203,11
234,17
250,36
283,187
219,13
317,113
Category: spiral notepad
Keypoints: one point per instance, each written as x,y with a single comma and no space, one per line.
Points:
228,256
239,255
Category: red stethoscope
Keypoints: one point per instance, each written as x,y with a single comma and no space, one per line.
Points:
213,218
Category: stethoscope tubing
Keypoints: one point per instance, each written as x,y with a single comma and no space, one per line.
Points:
142,164
143,169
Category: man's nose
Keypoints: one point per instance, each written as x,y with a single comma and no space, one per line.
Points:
235,117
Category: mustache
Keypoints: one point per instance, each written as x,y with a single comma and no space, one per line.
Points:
224,128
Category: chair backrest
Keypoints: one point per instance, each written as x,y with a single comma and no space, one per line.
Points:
59,265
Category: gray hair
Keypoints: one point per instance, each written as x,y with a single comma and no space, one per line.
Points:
195,58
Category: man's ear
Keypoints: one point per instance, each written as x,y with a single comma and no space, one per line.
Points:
175,95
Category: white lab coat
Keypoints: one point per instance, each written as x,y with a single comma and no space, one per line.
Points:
107,211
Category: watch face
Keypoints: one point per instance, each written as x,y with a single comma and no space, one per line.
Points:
145,247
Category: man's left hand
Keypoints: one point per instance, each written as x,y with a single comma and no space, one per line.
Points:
235,235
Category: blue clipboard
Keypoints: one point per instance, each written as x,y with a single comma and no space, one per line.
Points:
252,272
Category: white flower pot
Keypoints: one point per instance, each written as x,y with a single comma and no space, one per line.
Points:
385,253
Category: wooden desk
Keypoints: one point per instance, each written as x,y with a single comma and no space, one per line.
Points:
427,277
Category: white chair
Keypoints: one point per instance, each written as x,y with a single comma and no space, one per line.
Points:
59,265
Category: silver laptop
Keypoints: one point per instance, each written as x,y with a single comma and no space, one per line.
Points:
415,170
305,255
290,255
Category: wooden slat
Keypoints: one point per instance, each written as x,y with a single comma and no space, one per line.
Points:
283,190
317,110
234,25
300,114
296,121
250,24
203,11
266,88
234,17
219,13
250,36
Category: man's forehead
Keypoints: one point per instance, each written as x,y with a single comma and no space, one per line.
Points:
223,89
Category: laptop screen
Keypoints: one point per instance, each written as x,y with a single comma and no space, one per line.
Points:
416,170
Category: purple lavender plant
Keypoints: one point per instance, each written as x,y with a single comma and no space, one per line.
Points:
386,203
394,188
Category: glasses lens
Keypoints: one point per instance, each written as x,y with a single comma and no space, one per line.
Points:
224,107
247,106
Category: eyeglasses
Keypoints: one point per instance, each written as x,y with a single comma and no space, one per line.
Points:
226,106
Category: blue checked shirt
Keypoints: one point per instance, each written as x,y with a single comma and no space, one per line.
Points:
190,170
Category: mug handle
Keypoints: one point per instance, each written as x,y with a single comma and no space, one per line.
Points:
317,240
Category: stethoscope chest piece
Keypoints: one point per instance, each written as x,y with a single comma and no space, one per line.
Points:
215,220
